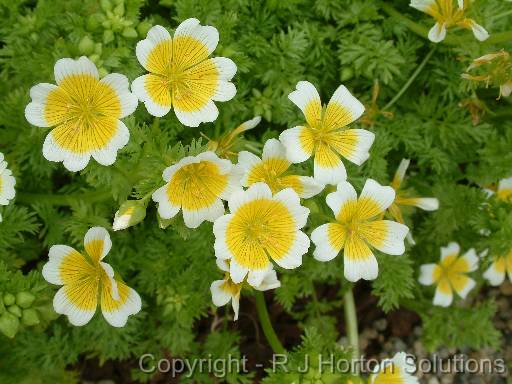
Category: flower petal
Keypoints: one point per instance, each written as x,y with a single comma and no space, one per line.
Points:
353,144
291,200
121,87
462,284
293,258
329,239
427,276
495,274
306,97
359,261
437,33
400,173
298,142
343,201
117,310
220,297
153,93
107,155
328,167
452,249
443,299
78,301
343,109
97,243
385,235
65,266
191,114
68,67
194,219
35,112
154,60
374,199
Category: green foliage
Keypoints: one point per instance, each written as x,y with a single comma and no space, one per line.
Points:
457,135
448,327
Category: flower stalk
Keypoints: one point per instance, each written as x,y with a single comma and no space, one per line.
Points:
266,325
351,322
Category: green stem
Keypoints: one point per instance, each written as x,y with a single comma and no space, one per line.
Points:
411,79
266,325
62,200
351,322
420,30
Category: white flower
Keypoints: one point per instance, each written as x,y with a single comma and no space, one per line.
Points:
7,183
272,169
325,135
85,111
398,370
225,290
260,227
501,266
85,279
357,227
450,274
197,185
447,15
181,76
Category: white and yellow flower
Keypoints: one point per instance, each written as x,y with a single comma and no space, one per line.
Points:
450,274
398,370
87,279
501,266
197,185
448,15
261,227
85,112
357,227
325,135
7,183
402,199
272,169
225,290
181,76
504,190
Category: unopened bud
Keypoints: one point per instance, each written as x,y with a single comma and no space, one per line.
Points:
15,310
9,324
9,299
24,299
29,317
130,33
130,213
86,45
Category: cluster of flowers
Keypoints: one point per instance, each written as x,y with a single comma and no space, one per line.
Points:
263,195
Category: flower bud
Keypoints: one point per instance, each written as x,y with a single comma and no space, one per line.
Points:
106,5
9,299
86,45
119,10
108,36
130,213
130,33
29,317
15,310
347,73
24,299
9,324
94,22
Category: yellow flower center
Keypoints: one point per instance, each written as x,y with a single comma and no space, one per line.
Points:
450,273
196,186
86,112
258,230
